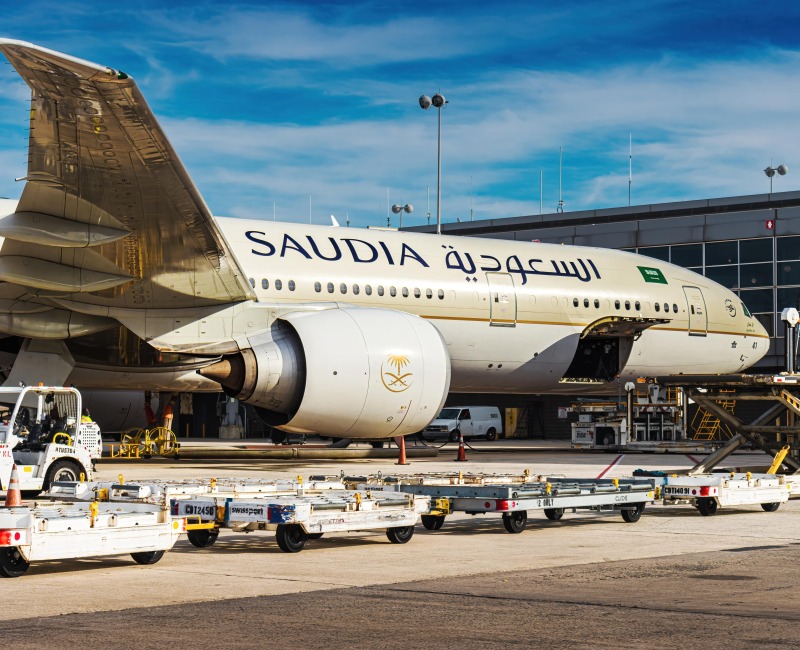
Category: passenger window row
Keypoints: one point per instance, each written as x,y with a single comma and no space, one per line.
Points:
277,284
379,290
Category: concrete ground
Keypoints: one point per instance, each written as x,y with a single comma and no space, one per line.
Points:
675,578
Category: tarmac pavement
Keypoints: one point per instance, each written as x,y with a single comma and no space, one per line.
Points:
675,578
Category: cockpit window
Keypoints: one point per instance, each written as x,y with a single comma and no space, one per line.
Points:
746,311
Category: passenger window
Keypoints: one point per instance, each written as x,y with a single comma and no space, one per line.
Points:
596,303
666,307
464,415
368,289
278,285
616,304
330,287
417,293
574,302
586,303
675,308
392,292
343,288
441,294
317,287
356,289
627,305
658,307
380,289
428,294
253,283
405,292
291,285
264,283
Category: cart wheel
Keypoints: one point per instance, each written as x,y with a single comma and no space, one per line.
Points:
432,522
632,516
202,538
315,535
12,564
771,507
707,507
515,521
400,534
147,557
554,514
291,537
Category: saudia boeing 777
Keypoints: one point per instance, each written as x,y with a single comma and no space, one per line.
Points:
115,274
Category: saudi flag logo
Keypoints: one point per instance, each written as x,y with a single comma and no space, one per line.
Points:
652,275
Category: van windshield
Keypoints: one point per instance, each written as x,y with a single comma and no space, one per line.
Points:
448,414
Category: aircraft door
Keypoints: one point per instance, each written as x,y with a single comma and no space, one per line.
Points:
503,300
696,305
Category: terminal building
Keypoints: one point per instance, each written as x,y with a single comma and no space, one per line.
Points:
750,244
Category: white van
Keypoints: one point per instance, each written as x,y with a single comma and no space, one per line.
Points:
471,421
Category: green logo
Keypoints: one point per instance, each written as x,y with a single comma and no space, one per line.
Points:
652,275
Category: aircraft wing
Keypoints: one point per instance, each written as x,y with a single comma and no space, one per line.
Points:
108,215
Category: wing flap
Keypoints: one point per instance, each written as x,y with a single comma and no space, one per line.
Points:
97,155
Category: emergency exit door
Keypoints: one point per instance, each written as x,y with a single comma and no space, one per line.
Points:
503,300
696,307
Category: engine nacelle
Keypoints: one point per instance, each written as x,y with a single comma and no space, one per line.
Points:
351,373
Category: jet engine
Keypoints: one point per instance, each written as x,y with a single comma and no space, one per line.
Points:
351,373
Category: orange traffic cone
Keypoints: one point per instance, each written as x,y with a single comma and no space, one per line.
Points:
462,452
401,460
13,495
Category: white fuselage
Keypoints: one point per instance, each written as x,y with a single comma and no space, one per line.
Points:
510,312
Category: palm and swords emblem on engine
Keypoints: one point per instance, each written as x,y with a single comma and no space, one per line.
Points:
399,380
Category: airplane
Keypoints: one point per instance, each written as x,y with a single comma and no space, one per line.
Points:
114,274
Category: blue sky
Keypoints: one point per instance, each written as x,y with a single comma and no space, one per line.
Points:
268,103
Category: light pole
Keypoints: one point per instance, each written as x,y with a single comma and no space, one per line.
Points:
400,209
438,101
770,171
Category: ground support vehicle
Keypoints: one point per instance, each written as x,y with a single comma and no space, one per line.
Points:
515,495
309,514
71,530
707,492
296,510
453,422
41,432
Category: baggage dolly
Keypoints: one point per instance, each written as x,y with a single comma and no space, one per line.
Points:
707,492
296,510
62,531
308,514
514,495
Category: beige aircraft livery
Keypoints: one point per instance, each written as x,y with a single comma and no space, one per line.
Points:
114,274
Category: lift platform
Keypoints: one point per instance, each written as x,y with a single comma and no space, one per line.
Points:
514,496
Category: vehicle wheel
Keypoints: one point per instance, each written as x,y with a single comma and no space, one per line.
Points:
632,516
400,535
515,521
147,557
491,434
291,537
554,514
12,564
202,538
770,507
707,507
62,470
608,440
315,535
432,522
455,435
